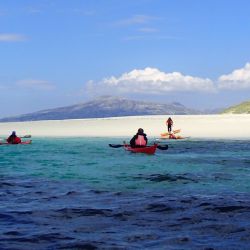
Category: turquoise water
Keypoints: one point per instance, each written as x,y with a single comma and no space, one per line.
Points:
195,195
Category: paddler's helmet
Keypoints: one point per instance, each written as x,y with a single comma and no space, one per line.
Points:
13,133
140,130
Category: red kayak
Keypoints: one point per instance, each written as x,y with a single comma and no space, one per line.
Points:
146,150
23,142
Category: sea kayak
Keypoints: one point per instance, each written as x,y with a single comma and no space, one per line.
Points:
177,138
146,150
175,132
23,143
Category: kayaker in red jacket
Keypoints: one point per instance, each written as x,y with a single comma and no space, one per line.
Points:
139,140
14,139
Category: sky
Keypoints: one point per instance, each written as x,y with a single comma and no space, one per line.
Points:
56,53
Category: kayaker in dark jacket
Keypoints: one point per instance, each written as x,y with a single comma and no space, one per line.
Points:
14,139
169,124
139,140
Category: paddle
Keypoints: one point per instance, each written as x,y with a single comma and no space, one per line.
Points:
25,136
161,147
116,145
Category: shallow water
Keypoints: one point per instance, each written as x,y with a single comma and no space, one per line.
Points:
67,193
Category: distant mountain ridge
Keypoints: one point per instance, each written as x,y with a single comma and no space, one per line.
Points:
242,108
106,106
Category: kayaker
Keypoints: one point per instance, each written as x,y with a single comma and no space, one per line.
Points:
139,140
14,139
169,124
172,136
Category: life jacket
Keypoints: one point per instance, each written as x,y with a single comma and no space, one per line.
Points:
169,122
140,141
14,140
17,140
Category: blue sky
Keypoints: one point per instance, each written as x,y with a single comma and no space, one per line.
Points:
58,53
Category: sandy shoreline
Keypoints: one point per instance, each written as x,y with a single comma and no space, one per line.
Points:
195,126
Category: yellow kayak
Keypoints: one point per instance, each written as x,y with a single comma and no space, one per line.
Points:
174,131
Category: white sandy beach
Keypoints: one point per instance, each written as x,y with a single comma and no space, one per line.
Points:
195,126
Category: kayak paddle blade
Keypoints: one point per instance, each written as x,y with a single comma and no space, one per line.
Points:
26,136
162,147
115,145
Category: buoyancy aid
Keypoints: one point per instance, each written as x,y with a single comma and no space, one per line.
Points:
15,140
169,122
140,141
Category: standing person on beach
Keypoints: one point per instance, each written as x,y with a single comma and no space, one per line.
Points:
169,123
139,140
14,139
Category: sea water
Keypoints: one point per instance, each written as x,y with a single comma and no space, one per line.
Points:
78,193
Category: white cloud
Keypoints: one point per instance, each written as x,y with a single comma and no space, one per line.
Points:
136,19
36,84
84,12
238,79
148,30
34,10
153,81
12,37
134,38
149,38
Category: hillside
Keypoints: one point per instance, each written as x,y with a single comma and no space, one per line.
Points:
242,108
106,106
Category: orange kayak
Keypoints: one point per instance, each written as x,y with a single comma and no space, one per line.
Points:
174,131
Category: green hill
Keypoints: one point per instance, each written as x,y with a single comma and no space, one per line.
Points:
242,108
